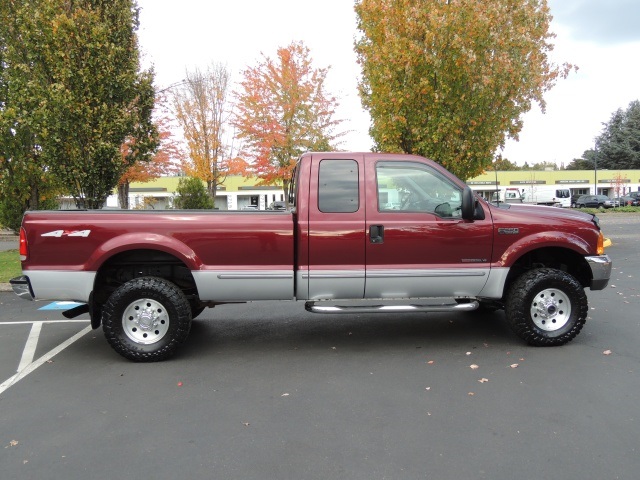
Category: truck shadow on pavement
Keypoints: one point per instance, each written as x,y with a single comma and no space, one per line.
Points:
353,333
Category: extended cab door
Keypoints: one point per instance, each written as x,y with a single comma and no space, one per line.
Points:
418,245
336,227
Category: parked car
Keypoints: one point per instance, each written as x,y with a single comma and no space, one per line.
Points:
281,206
635,195
629,200
574,199
595,201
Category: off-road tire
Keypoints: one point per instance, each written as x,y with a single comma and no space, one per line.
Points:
146,319
546,307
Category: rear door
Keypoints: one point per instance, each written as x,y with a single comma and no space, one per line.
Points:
336,229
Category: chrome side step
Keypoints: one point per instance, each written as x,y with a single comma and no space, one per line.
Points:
322,307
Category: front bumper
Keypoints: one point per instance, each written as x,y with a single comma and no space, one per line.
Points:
22,287
600,271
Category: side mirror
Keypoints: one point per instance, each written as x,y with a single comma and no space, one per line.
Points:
468,204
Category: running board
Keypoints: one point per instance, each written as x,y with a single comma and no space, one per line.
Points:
318,307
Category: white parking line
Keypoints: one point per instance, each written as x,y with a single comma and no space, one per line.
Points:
29,322
30,367
30,348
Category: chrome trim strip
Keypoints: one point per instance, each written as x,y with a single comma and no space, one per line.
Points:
334,275
425,273
253,276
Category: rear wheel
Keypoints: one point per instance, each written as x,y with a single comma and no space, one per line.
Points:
146,319
546,307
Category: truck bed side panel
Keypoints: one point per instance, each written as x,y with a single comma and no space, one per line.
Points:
228,252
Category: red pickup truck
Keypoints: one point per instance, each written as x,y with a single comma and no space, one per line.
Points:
365,232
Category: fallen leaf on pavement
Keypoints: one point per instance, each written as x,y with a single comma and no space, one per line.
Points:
483,380
514,365
474,367
607,352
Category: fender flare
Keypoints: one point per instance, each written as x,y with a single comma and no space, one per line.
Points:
143,241
541,240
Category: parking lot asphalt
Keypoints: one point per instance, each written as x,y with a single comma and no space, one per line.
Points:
269,391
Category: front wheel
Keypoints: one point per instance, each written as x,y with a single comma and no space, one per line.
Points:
546,307
146,319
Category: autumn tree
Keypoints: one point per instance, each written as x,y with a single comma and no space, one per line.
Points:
81,64
147,167
282,111
202,111
450,80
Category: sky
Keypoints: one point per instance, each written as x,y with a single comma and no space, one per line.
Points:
601,38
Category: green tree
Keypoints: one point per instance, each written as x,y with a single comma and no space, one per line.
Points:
78,65
25,181
504,164
542,166
192,194
585,163
618,146
450,79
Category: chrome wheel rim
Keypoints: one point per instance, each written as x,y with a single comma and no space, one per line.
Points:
145,321
550,309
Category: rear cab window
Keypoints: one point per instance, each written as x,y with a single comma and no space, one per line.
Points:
338,186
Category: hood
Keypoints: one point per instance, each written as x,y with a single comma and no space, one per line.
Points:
542,212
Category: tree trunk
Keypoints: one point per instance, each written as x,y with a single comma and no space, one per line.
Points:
123,195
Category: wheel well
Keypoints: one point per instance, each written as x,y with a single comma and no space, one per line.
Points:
552,257
126,266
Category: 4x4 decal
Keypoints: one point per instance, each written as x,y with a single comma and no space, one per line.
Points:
67,233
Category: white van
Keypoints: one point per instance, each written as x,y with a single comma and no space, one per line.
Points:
535,194
547,195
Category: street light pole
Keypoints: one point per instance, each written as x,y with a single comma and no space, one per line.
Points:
595,168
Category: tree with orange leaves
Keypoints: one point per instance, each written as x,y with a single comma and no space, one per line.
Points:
451,79
283,110
164,161
202,111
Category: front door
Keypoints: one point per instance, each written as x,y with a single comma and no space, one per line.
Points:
418,245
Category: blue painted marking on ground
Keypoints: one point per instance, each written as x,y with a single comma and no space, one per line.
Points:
60,306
